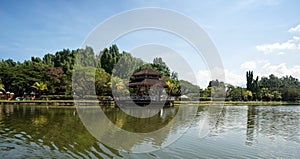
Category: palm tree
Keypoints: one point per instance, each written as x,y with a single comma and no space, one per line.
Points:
2,90
2,87
173,86
40,87
118,85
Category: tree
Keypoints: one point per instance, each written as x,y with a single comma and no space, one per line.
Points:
266,94
118,86
252,85
107,61
249,77
126,66
188,88
102,80
248,95
256,89
40,87
286,88
217,89
56,80
161,66
290,94
48,60
174,88
36,60
174,75
109,58
2,86
276,96
237,93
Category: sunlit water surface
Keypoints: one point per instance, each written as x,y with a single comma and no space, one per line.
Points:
237,132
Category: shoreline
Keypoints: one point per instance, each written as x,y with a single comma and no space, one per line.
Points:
176,103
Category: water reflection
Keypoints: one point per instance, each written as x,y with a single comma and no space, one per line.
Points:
270,121
251,124
245,131
124,132
41,132
273,121
59,132
140,125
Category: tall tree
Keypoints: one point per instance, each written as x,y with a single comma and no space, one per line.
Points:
252,85
249,77
161,66
107,61
48,59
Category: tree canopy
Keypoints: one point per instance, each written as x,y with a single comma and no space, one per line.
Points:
52,75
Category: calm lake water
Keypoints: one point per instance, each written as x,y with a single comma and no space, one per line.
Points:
237,132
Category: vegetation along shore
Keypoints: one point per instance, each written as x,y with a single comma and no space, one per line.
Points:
49,80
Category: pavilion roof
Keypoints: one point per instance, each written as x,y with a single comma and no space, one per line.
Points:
148,82
147,71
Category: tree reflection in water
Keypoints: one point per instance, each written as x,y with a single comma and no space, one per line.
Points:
269,121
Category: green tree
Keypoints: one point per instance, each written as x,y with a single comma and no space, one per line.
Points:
248,95
102,82
174,88
252,85
40,87
217,89
107,61
276,96
266,94
109,58
2,86
126,66
161,66
237,93
249,77
118,86
48,60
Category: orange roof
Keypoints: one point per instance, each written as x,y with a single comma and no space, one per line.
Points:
147,71
148,82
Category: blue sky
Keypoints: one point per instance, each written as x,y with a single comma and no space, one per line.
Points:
260,35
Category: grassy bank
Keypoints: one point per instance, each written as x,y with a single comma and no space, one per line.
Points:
52,102
71,102
238,102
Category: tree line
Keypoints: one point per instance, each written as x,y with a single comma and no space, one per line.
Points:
52,75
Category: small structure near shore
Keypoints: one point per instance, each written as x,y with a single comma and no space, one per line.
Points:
148,89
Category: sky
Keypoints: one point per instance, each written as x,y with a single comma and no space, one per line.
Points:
258,35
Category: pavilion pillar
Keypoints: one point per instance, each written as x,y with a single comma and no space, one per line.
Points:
158,95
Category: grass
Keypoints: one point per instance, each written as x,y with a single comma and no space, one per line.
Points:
71,102
238,102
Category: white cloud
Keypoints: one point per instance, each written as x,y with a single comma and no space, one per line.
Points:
295,29
204,76
248,65
280,48
263,68
234,78
280,70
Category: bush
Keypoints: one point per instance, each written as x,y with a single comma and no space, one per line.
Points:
57,97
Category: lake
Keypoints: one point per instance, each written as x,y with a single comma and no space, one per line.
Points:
232,132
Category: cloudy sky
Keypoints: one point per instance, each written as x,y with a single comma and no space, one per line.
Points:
258,35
